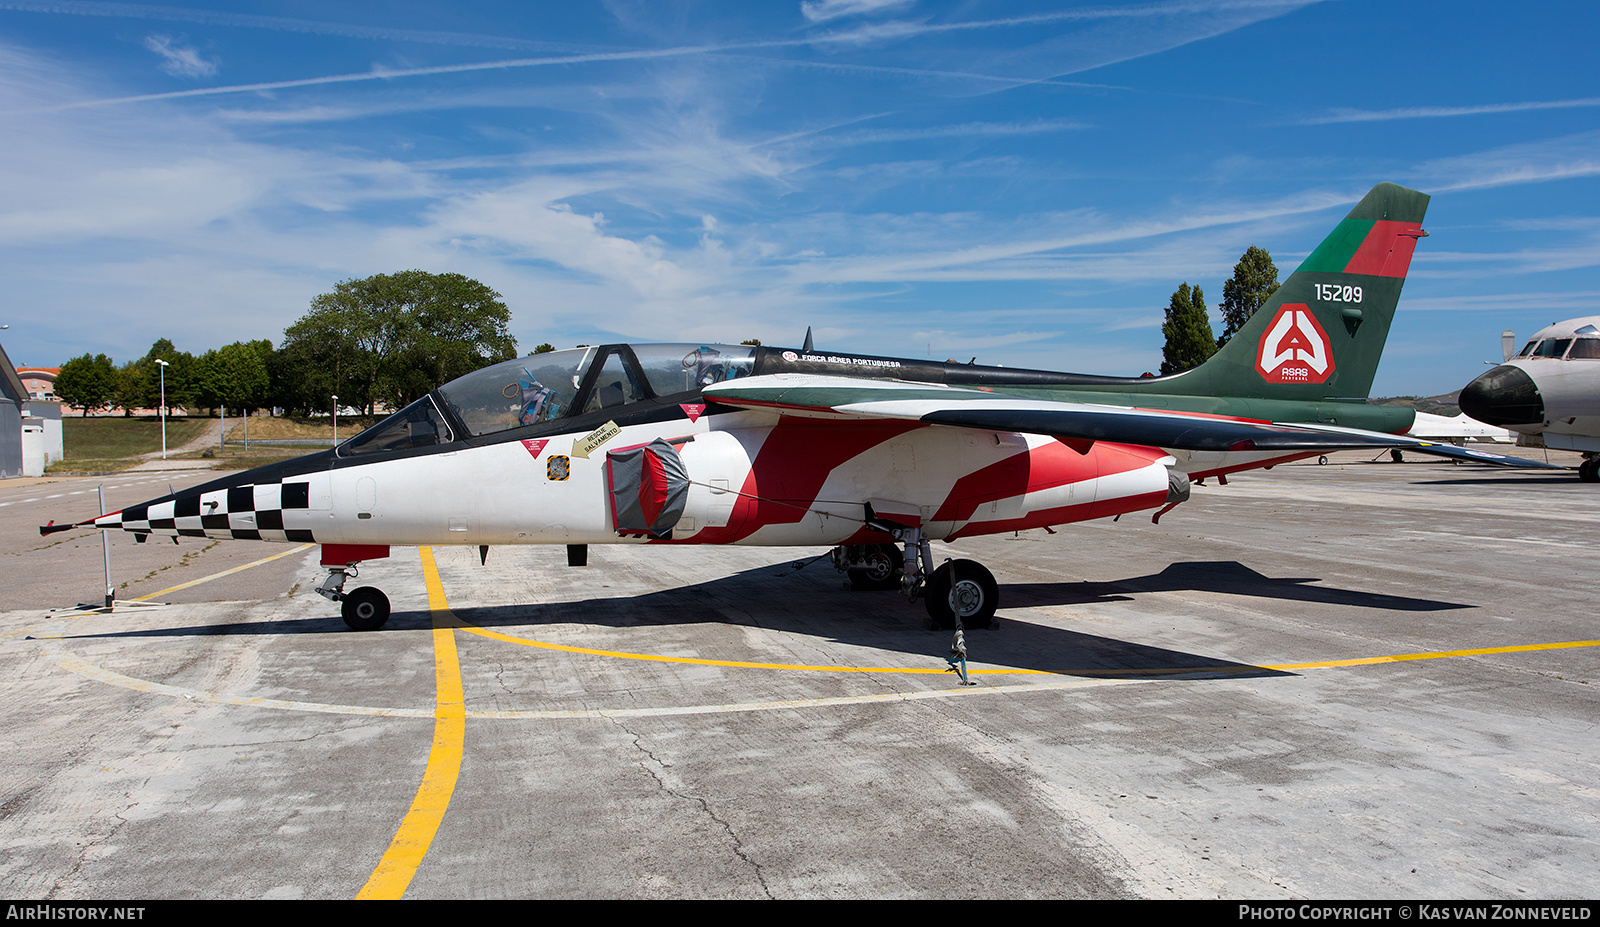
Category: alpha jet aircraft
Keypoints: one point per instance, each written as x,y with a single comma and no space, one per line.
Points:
872,456
1549,394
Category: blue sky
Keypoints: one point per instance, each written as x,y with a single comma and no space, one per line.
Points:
1026,183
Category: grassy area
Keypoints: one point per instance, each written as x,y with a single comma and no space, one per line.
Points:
267,428
92,465
115,437
235,457
106,445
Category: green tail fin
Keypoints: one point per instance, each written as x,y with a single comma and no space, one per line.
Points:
1321,334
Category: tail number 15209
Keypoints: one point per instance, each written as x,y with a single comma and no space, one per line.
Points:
1338,293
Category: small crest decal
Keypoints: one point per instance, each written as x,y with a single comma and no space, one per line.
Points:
790,356
559,467
692,409
1295,349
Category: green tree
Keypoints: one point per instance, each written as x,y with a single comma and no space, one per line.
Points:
87,382
395,337
544,348
177,373
1188,331
233,376
1255,279
130,390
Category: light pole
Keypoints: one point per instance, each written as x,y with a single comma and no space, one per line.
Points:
163,407
336,421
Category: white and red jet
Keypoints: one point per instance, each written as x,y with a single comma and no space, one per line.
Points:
873,456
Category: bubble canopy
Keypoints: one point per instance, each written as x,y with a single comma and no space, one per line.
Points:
551,386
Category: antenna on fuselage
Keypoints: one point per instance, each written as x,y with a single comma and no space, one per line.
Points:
807,346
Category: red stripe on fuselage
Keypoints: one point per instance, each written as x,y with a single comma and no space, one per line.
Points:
1065,515
1267,464
1043,468
1211,415
795,460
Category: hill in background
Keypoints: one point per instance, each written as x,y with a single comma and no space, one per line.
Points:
1444,404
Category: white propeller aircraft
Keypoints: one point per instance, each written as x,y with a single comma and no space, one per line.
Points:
1549,393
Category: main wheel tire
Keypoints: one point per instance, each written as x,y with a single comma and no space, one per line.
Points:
1589,470
365,609
885,564
973,595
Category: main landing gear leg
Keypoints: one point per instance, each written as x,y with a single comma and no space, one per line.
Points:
957,594
365,609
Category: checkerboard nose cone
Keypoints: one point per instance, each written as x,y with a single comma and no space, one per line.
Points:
1504,396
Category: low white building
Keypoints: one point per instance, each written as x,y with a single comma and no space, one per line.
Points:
30,429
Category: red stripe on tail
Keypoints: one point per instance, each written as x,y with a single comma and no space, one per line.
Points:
1386,252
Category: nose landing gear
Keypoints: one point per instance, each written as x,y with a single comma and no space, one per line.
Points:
366,608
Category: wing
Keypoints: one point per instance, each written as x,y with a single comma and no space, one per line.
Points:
1443,449
1070,422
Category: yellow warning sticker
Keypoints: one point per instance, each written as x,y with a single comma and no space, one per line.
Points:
585,445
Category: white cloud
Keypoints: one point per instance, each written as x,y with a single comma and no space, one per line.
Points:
1536,161
823,10
1438,112
179,60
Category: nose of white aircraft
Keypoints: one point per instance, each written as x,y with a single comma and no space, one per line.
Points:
1505,396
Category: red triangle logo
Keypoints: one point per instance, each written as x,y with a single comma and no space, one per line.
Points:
692,409
535,446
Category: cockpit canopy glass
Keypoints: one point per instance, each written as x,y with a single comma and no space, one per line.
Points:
679,368
417,425
522,391
545,387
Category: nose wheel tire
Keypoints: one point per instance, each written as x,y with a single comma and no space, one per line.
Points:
365,609
965,588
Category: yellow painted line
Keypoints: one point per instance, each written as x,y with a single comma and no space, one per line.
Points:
1159,671
410,844
207,579
1435,655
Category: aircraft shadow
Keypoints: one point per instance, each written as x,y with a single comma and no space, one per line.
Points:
812,603
1224,576
1542,478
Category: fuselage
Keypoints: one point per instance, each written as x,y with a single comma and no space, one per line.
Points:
523,453
1549,393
